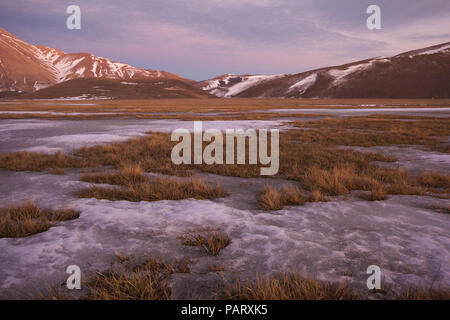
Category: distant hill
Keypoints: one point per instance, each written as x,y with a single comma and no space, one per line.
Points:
423,73
94,88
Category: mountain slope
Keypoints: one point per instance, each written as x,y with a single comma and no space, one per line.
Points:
423,73
229,85
26,67
97,88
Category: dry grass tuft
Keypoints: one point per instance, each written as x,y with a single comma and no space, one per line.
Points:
63,214
293,196
379,130
270,199
402,187
145,281
289,286
122,285
29,161
154,190
432,179
27,219
212,242
318,196
376,194
128,175
274,199
338,180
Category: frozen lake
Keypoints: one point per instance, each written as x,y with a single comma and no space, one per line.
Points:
67,135
335,240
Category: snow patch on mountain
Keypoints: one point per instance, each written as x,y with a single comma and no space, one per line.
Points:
340,75
443,49
247,83
231,85
65,67
305,83
438,50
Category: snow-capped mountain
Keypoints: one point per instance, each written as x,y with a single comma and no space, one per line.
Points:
26,67
423,73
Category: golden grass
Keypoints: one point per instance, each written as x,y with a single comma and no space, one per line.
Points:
212,242
275,199
318,196
270,199
234,115
27,219
50,116
128,175
154,190
153,154
63,214
288,286
146,281
401,183
29,161
433,179
378,130
192,105
122,285
310,157
378,193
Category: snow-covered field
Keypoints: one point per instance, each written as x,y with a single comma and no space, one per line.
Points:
336,240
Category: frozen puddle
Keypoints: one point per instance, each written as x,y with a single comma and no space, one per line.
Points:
335,240
51,135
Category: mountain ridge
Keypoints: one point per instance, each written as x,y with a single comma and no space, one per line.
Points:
26,67
421,73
